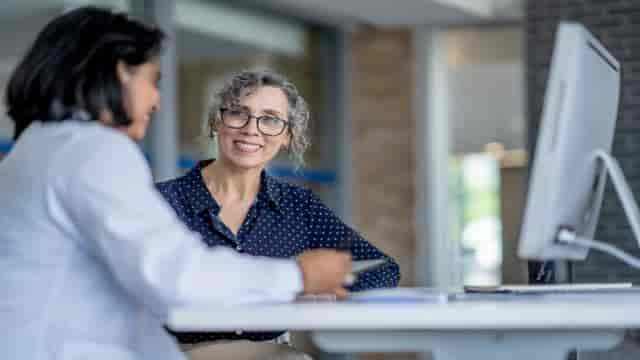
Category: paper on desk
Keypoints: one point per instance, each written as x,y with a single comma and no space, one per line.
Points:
306,298
400,295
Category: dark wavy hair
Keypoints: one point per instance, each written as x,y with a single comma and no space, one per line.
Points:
71,67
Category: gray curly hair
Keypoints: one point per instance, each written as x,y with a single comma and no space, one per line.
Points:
298,113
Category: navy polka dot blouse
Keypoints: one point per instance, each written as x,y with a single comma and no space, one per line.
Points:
284,221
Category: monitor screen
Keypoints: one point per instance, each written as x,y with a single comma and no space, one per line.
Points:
567,181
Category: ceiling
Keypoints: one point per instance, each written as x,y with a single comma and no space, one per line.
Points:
22,18
397,13
345,12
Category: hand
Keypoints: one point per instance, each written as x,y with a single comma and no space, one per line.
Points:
324,271
341,293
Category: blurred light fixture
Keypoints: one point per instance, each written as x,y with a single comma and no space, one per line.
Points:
495,149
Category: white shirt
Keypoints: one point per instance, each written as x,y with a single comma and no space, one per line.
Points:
92,259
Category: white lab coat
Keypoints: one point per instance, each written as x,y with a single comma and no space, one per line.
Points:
91,258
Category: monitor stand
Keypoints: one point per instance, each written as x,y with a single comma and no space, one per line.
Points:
567,236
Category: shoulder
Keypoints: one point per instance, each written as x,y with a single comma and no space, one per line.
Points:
288,191
94,158
96,149
168,185
294,198
173,190
102,136
98,141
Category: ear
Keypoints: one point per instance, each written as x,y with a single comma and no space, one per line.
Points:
215,121
212,128
287,142
123,72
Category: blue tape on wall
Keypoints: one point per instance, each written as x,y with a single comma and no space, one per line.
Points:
5,146
307,175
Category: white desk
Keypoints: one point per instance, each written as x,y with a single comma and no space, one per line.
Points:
533,327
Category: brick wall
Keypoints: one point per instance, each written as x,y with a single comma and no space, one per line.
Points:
383,142
617,24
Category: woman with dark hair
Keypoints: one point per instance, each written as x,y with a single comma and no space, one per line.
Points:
91,257
234,202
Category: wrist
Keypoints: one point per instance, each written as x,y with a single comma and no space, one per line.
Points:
302,275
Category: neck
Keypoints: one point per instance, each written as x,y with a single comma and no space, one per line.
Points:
231,183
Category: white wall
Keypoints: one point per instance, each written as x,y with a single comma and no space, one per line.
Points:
485,84
487,106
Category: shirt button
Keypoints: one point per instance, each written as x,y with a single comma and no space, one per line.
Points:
239,248
238,332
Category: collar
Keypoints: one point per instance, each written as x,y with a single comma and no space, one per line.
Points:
271,190
200,199
196,191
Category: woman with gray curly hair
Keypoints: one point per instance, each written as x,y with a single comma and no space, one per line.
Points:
233,202
297,122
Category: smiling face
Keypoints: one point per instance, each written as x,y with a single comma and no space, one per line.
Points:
140,95
247,147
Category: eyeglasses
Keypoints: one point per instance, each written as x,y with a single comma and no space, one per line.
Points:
239,118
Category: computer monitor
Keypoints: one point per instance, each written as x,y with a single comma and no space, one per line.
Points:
572,155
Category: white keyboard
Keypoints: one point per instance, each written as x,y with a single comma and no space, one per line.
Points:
400,295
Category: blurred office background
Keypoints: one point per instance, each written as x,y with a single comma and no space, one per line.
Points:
422,115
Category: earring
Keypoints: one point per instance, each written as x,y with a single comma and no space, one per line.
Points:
212,132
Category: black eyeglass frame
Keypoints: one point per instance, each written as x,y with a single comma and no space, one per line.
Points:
258,121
